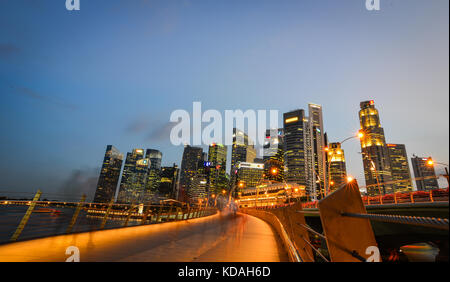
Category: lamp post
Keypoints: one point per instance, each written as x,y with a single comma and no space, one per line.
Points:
431,162
359,135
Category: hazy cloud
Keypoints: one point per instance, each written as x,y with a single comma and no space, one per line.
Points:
7,50
30,93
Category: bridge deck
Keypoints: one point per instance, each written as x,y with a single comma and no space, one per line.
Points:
221,237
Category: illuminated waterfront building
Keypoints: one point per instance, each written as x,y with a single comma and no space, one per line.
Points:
134,178
109,175
338,171
192,156
377,168
425,174
270,194
401,175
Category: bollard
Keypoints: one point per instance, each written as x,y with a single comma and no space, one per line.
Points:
75,214
26,217
412,197
431,196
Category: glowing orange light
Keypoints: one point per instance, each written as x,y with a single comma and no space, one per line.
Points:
326,149
274,171
430,162
349,179
372,102
360,134
331,182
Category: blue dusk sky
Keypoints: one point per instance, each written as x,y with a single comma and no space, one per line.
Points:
72,82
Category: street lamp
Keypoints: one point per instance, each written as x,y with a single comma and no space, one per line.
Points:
431,162
359,135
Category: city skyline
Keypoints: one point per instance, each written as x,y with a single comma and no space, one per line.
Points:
64,115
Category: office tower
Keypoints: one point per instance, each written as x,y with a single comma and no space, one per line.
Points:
249,175
199,189
217,158
294,138
134,178
338,171
401,176
192,156
154,174
274,156
425,175
168,182
109,175
315,153
377,169
242,150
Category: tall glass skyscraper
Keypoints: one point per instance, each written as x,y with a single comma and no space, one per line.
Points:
154,174
316,159
192,157
274,156
168,184
401,174
134,178
377,168
109,175
217,159
295,150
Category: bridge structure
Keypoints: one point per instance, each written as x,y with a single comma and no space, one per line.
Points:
344,226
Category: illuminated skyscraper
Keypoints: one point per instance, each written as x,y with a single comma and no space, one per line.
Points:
377,168
338,171
274,156
294,138
154,174
217,158
425,175
243,149
168,182
192,156
315,154
249,175
134,178
109,175
400,167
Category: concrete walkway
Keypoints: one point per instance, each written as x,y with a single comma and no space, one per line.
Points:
221,237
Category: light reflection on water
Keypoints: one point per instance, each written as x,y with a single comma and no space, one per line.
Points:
47,224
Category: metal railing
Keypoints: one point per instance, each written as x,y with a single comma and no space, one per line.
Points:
436,195
414,197
30,219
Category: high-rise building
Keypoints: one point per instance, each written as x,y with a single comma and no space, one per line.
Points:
274,156
217,159
199,189
134,178
401,175
338,171
249,175
242,150
168,182
109,175
425,175
294,139
315,153
154,174
192,156
377,168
